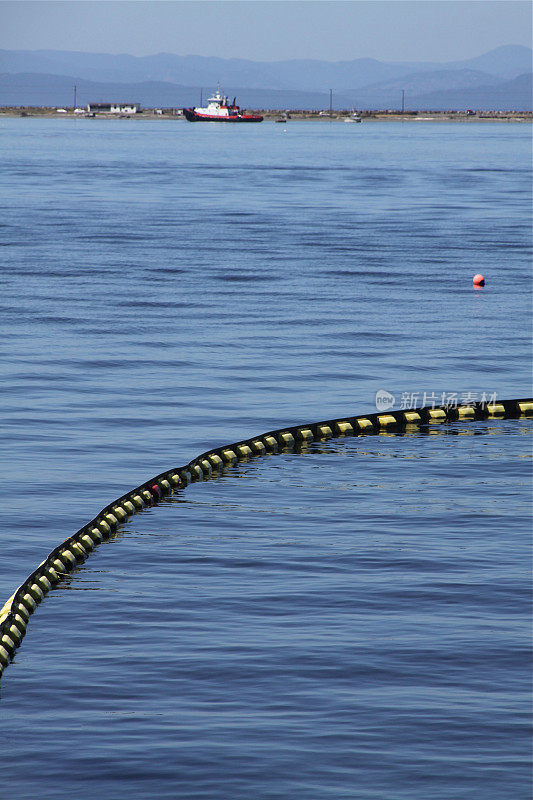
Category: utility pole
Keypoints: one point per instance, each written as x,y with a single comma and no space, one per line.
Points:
403,100
75,90
331,102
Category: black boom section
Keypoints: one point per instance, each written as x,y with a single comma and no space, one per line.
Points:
63,560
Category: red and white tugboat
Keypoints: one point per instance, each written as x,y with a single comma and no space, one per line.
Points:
218,109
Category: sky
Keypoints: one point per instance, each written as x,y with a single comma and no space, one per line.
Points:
270,30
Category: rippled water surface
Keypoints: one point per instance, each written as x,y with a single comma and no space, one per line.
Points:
350,622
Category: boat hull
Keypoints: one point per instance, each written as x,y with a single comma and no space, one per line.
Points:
193,116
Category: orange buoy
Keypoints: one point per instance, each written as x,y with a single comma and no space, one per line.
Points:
479,280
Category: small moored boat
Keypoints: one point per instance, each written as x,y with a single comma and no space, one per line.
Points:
218,109
354,117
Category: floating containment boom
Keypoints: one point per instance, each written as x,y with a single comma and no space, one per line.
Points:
15,614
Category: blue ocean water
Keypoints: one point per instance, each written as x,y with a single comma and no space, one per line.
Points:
349,622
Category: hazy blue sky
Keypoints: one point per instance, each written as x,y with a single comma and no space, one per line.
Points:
407,30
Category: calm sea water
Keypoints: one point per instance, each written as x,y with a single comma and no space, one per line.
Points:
353,622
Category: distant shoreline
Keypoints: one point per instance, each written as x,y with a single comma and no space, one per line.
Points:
32,112
294,116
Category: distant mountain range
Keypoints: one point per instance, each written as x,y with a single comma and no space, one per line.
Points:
500,79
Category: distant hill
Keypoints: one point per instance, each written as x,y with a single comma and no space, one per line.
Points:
458,89
305,75
30,89
47,77
514,95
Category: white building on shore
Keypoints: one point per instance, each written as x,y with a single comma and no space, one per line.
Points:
114,108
